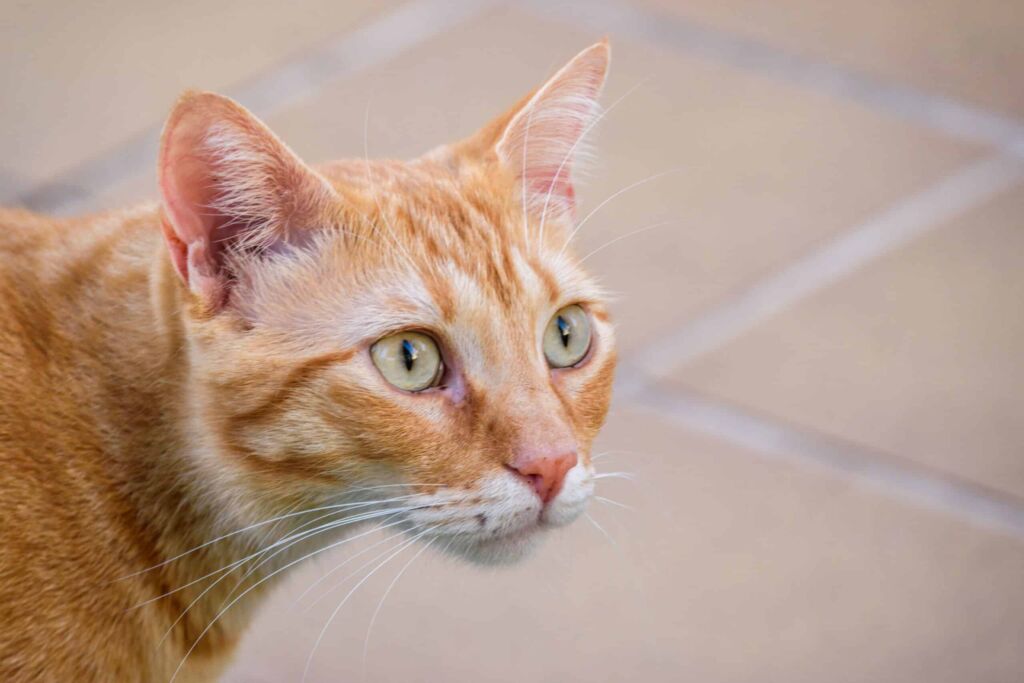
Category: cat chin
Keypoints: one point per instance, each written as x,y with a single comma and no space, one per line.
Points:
498,551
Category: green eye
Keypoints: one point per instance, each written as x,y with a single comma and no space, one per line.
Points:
567,337
408,360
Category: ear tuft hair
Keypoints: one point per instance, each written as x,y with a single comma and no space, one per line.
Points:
543,142
229,185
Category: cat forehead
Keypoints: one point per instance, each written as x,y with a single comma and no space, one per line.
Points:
454,221
425,244
348,290
423,198
512,290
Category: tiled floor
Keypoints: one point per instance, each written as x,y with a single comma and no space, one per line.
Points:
968,50
844,499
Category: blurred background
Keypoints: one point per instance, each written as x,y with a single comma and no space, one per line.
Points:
822,353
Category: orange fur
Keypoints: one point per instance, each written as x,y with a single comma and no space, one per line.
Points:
159,390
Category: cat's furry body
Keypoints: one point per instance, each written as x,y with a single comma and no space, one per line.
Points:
92,388
150,403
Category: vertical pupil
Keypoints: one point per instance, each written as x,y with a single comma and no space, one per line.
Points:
565,329
408,354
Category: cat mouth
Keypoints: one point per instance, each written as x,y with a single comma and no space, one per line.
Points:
502,521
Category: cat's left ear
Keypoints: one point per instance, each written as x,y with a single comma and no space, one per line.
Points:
229,184
539,141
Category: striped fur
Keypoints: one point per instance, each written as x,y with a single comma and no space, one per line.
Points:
176,372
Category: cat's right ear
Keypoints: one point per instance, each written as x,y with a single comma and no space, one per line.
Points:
228,183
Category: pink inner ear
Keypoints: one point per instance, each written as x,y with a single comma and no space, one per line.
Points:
561,191
541,142
188,186
227,180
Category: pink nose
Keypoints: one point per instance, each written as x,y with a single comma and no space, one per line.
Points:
544,470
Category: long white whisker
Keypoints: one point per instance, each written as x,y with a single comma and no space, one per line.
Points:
615,475
237,585
309,660
297,533
601,529
605,454
627,188
628,234
387,591
568,155
243,594
234,565
259,524
344,562
613,502
355,571
297,537
307,535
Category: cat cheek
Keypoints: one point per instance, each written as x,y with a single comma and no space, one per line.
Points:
593,392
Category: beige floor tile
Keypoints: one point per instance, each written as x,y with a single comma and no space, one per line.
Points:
918,354
731,568
763,171
80,77
964,49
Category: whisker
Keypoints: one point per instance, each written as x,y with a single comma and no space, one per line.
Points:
604,454
601,529
373,618
234,565
306,536
627,188
223,610
613,502
629,476
334,525
294,533
568,155
309,660
344,562
628,234
259,524
227,598
341,582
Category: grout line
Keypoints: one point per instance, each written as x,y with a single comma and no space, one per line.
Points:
886,232
278,88
944,114
901,480
879,235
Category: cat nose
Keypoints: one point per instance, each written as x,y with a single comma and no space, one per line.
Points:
544,469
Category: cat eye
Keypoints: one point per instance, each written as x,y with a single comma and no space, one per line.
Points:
567,337
409,360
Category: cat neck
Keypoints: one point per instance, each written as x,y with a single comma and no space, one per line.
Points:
122,312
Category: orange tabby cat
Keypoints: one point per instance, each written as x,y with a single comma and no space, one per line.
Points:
197,394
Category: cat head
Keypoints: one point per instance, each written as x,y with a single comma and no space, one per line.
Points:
419,332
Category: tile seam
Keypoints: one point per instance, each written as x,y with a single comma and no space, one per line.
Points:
266,93
769,437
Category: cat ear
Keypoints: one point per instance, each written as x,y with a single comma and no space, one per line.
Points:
541,142
228,183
